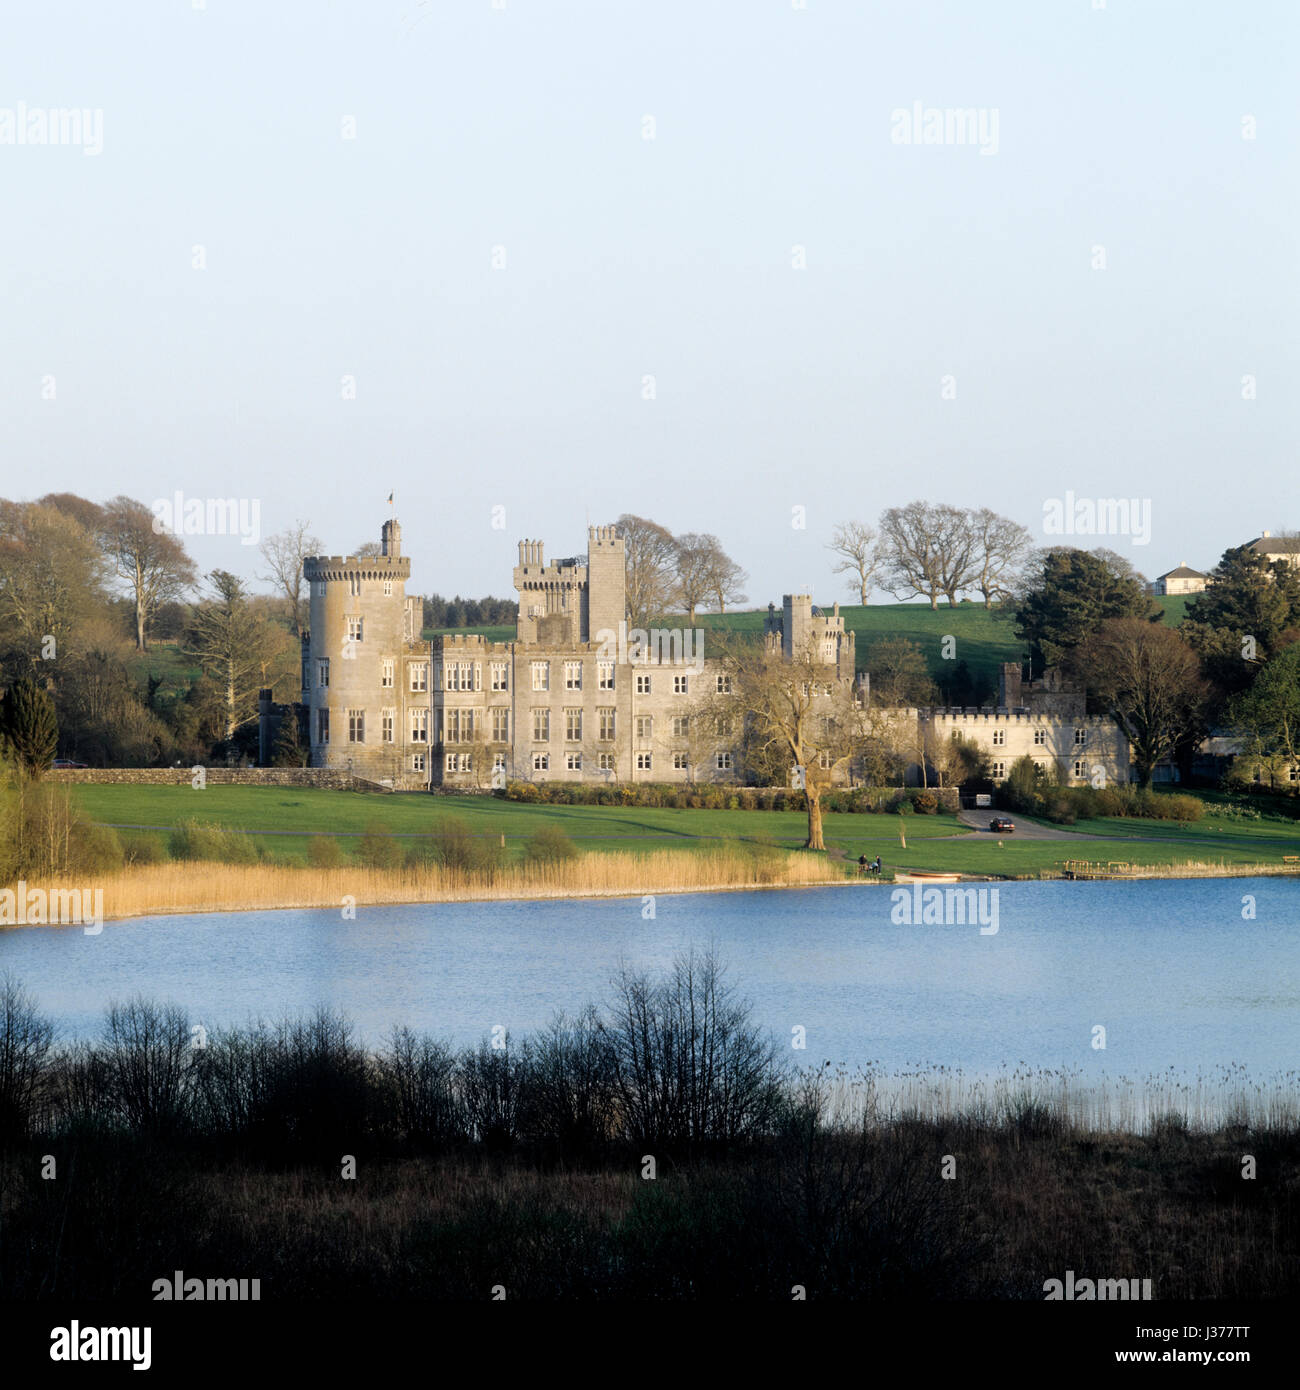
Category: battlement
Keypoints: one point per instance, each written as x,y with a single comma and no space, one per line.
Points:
324,568
470,642
966,714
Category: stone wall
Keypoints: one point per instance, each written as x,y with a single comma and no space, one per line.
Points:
216,777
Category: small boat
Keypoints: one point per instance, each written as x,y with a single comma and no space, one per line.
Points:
922,876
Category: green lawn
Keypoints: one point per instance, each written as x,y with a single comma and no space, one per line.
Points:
281,820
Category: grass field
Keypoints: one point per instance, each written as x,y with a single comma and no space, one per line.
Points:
985,638
281,822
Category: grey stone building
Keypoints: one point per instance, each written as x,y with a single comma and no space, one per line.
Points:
577,696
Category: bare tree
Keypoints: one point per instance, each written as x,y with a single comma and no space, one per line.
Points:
929,551
284,554
238,649
912,562
1149,678
1002,547
651,564
152,564
726,579
792,709
690,1066
899,674
859,548
26,1037
693,564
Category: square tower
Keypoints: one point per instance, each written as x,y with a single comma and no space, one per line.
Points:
606,581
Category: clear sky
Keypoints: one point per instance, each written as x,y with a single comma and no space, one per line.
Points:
521,387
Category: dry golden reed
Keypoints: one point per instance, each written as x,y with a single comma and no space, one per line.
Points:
147,889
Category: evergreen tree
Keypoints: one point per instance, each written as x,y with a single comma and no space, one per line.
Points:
29,729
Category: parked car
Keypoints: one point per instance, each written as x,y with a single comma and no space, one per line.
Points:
66,762
1000,823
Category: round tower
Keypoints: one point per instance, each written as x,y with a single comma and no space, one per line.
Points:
354,669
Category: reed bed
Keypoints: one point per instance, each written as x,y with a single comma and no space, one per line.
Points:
1063,1099
148,889
1191,868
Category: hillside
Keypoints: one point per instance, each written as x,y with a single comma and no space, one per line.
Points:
984,638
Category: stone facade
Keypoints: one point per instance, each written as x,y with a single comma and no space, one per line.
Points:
576,696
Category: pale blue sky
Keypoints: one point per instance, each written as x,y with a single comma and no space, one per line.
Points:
776,388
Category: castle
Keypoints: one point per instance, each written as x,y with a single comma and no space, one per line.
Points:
563,702
559,703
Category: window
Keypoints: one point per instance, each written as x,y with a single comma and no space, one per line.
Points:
1080,737
824,760
724,726
724,685
541,675
642,684
679,762
679,685
1080,768
498,762
541,726
460,726
419,675
956,735
320,588
354,629
322,726
1293,774
605,675
500,726
573,726
387,718
681,725
417,762
449,762
573,761
354,585
419,726
999,769
386,673
323,671
605,762
356,726
722,762
643,762
541,762
644,725
999,737
388,588
1040,737
500,677
606,717
573,675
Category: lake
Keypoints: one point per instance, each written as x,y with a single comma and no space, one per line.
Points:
1171,970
